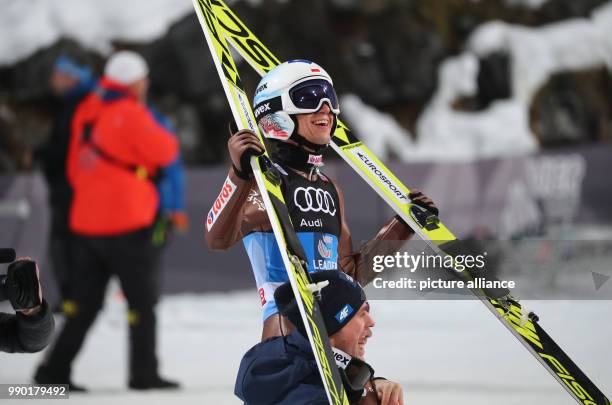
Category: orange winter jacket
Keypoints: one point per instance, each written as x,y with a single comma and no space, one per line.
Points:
111,197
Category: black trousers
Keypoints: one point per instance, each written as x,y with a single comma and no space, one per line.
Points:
60,239
132,258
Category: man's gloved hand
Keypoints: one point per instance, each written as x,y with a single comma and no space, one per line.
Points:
418,198
22,286
242,145
421,200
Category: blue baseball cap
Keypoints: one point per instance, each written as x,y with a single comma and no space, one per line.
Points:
68,66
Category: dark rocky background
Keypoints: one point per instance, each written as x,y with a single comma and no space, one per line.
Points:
385,51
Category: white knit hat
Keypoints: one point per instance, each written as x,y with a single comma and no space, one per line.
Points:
126,67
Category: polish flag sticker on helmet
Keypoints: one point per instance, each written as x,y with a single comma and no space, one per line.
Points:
277,125
226,193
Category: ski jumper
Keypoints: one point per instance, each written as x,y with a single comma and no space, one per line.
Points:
316,207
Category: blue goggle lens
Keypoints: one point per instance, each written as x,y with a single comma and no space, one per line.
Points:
308,95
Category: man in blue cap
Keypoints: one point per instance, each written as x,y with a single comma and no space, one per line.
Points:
70,81
282,369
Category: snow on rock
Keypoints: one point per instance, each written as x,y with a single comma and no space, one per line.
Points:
449,135
27,26
442,133
445,134
373,126
502,129
537,53
531,4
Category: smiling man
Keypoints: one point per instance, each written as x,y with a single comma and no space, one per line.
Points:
283,370
296,109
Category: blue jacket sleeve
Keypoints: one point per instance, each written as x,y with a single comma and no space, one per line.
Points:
171,187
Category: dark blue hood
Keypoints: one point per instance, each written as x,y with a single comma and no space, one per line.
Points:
280,370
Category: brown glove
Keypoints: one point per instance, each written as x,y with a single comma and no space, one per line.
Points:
417,197
242,145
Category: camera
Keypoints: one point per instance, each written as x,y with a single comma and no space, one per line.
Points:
20,284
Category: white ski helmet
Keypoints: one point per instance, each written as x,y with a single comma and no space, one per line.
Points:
294,87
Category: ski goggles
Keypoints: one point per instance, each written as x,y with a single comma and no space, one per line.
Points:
357,373
309,96
354,372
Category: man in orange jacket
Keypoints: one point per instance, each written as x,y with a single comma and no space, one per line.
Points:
116,150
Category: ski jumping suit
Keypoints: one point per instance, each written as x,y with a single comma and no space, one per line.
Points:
316,208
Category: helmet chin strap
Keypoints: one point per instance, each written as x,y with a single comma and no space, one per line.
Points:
308,146
313,148
297,157
299,153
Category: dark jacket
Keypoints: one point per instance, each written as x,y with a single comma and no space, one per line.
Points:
55,151
26,334
280,370
283,370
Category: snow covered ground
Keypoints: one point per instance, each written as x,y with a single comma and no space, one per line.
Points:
441,351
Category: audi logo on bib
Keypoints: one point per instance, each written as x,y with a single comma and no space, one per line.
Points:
315,200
